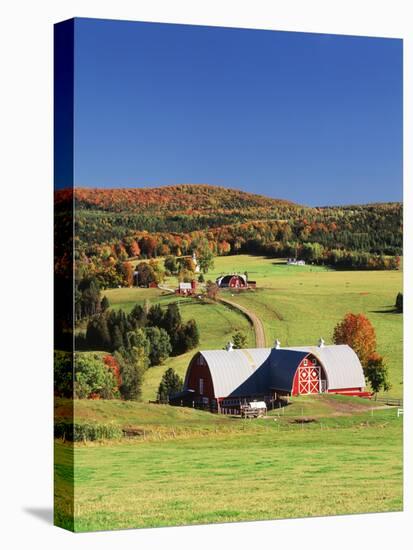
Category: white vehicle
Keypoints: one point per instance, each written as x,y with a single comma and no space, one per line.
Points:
253,409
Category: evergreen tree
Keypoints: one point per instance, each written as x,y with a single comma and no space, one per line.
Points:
171,383
159,345
104,304
377,373
87,297
155,316
116,338
191,335
186,337
172,319
239,339
132,365
97,334
138,316
146,306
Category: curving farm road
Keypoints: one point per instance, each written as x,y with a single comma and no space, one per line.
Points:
256,322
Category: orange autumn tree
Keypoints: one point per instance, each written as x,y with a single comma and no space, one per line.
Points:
357,331
112,364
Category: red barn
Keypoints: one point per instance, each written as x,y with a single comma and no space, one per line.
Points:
186,289
226,378
232,281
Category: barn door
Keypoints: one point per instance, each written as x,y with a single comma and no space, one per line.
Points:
309,379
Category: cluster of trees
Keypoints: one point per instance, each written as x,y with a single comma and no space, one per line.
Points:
339,258
91,375
184,267
104,268
177,198
97,272
357,331
147,273
239,340
88,298
141,218
279,238
158,332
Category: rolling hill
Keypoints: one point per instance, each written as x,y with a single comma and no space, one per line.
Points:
194,199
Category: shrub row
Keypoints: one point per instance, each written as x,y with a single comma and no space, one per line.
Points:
69,431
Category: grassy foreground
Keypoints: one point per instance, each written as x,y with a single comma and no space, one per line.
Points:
193,467
260,470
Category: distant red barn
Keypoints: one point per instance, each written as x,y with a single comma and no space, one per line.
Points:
234,281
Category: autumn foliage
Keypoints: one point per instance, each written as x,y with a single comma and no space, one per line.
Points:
112,364
357,331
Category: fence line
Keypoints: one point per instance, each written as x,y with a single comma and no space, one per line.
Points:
390,401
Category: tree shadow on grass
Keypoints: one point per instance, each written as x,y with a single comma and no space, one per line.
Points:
44,514
386,309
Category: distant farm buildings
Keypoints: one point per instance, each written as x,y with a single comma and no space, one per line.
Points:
294,261
235,281
186,289
227,379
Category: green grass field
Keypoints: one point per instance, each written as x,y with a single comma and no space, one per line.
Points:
299,307
164,419
260,470
194,467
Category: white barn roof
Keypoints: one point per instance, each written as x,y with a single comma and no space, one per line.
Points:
232,369
241,372
185,286
341,365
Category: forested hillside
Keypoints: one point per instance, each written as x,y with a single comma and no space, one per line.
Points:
112,225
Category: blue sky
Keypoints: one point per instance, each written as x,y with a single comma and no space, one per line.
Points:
313,118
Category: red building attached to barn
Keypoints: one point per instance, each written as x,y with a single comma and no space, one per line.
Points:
219,379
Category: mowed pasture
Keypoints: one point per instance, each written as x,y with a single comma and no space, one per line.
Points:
193,467
297,305
252,470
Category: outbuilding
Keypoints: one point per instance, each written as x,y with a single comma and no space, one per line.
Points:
186,289
220,379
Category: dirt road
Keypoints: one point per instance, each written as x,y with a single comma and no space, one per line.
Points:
253,319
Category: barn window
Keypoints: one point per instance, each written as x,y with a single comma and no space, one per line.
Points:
201,386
